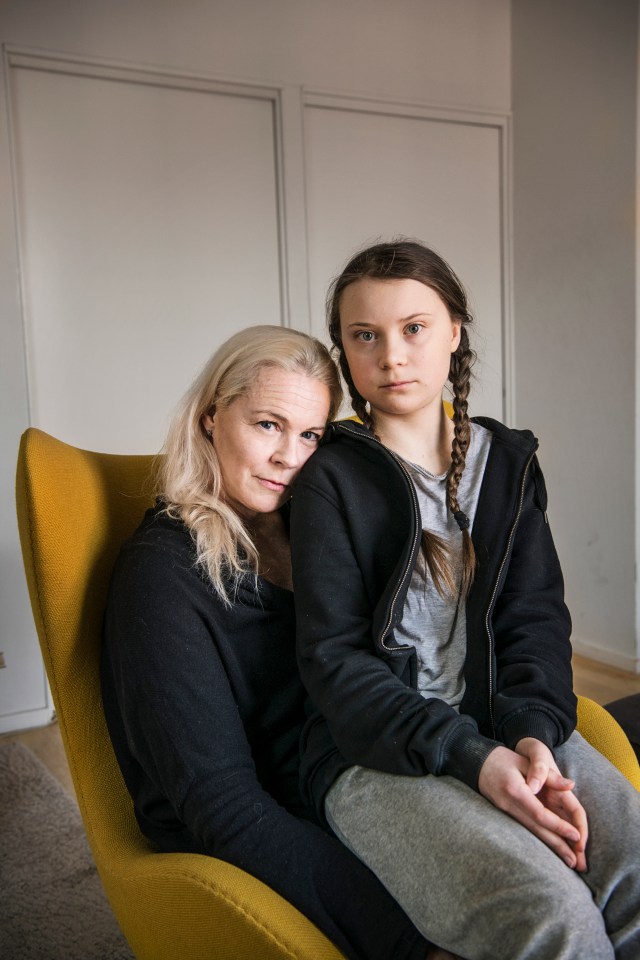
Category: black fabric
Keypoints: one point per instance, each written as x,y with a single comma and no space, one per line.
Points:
355,536
205,707
627,712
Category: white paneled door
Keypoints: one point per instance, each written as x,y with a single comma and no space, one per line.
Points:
149,233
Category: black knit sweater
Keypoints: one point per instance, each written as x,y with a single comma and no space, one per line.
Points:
205,707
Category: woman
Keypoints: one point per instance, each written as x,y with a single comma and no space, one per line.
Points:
434,641
201,692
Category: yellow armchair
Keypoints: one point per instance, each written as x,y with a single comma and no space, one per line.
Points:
75,508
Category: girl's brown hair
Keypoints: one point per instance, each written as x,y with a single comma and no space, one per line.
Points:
410,260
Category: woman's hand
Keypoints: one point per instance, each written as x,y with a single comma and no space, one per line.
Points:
555,815
437,953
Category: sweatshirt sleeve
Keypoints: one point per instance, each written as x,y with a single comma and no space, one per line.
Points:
195,767
532,630
374,717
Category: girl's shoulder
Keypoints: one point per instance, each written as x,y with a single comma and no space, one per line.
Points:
524,440
351,461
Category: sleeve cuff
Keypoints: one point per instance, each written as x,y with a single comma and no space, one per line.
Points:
530,723
466,751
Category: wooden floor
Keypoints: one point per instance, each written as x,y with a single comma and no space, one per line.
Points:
595,680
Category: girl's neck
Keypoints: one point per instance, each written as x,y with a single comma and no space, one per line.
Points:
424,438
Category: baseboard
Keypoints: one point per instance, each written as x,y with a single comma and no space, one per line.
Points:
612,658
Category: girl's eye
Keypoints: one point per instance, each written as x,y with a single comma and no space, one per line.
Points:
366,336
414,328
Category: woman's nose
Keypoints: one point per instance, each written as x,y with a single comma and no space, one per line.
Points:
287,452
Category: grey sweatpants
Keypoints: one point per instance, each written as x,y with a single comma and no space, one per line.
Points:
475,881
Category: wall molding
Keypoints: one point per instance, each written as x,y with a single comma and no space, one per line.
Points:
600,654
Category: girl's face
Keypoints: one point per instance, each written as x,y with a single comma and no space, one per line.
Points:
398,338
263,438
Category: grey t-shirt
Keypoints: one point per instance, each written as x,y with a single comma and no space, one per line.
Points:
434,625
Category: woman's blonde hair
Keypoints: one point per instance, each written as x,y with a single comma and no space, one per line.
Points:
189,473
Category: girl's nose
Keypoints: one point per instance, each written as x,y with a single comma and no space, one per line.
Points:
392,353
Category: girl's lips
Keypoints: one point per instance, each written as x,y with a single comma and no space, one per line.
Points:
397,384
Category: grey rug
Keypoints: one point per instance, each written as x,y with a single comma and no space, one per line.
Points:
52,905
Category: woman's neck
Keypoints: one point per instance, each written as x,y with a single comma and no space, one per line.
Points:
424,438
269,535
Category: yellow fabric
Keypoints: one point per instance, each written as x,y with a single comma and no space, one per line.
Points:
75,508
605,733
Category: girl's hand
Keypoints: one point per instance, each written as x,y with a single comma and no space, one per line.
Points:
555,816
555,791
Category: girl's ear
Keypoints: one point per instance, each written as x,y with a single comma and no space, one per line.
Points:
456,333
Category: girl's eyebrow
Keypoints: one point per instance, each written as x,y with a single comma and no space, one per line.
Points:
412,316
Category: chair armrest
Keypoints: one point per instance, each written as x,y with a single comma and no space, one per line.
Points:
605,734
173,905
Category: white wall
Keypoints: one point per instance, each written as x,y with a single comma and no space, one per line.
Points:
574,134
453,54
450,52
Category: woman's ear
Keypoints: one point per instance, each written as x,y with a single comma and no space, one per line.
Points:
207,421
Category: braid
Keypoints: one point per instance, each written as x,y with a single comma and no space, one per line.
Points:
358,403
460,375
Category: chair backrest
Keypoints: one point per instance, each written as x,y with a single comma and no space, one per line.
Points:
75,509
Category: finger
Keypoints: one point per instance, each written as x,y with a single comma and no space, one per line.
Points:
558,782
558,834
537,775
557,844
567,806
569,809
524,804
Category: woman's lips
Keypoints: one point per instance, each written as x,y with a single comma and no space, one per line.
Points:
273,484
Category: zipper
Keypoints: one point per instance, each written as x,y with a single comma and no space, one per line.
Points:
407,570
495,587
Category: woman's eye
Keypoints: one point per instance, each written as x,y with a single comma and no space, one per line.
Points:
311,435
414,328
267,424
366,336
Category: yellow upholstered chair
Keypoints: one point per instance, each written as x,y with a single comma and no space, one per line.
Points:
75,508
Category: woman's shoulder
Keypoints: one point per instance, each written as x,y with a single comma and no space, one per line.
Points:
159,539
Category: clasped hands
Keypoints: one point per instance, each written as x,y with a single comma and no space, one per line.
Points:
526,784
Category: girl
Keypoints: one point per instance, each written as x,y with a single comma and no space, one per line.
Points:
433,639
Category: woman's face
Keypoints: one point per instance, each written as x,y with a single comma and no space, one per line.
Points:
398,337
263,438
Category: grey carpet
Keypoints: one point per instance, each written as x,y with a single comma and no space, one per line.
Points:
52,905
